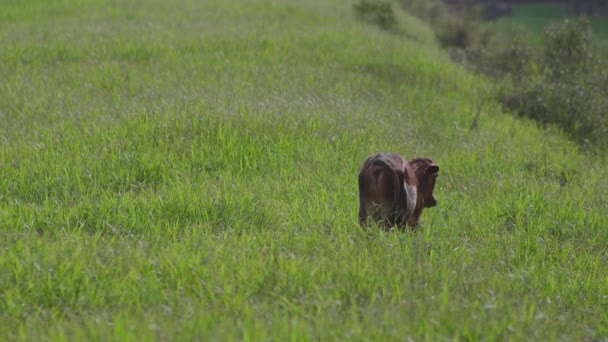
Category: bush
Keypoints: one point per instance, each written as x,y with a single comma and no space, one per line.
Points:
455,31
502,56
563,82
461,30
568,86
454,28
428,10
376,12
567,50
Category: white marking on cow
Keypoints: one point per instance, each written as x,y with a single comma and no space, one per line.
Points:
411,193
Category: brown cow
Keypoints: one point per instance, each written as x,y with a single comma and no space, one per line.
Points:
393,191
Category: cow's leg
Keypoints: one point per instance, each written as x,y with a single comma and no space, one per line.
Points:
392,219
362,213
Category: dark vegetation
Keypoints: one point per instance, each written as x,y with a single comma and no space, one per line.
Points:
561,82
378,13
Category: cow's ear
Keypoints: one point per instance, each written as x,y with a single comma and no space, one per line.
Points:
431,169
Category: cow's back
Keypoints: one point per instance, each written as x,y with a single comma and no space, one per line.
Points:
380,189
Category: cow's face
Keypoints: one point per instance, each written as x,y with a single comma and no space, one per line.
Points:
426,172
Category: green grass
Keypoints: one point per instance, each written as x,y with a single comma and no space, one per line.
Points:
535,17
187,171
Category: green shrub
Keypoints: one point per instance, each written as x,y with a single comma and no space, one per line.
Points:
568,86
568,50
461,30
454,28
506,55
563,82
428,10
376,12
454,31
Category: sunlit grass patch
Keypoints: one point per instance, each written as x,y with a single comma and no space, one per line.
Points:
188,171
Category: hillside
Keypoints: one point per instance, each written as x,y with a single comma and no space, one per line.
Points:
187,171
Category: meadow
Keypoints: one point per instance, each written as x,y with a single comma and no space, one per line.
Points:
187,170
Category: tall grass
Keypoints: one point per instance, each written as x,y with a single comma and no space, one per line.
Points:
187,171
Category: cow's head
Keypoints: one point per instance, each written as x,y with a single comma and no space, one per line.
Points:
426,173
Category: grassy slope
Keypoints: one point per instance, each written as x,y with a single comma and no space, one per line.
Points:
188,170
